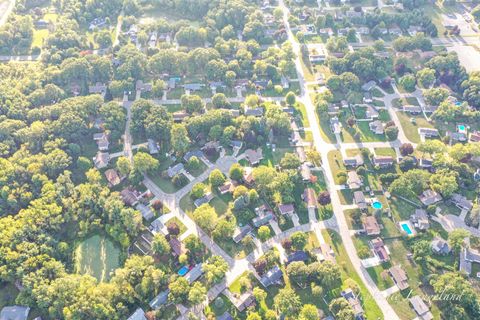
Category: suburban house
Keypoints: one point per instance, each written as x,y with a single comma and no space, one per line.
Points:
194,273
146,212
420,219
141,86
203,200
152,146
461,202
242,301
412,109
98,88
475,136
354,302
467,257
425,163
262,219
193,86
227,187
367,97
101,160
102,141
112,177
176,169
369,85
353,180
160,300
399,277
254,112
286,209
248,176
353,161
335,125
305,172
380,250
310,198
254,156
420,308
325,252
297,256
272,276
371,226
428,132
177,246
359,200
383,161
376,127
429,197
440,246
179,116
129,197
194,153
241,233
139,314
225,316
14,313
371,113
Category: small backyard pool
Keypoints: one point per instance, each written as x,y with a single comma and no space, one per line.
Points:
183,271
377,205
407,228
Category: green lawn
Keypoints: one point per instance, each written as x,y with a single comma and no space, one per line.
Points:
302,113
411,129
335,160
385,152
372,311
405,101
381,277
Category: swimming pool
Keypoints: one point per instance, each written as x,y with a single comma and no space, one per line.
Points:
377,205
183,271
461,127
406,227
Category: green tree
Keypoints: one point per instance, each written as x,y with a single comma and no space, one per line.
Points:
236,172
290,98
123,166
144,162
206,217
299,240
197,293
179,139
287,302
160,245
179,289
308,312
264,233
215,268
198,190
341,309
216,178
456,239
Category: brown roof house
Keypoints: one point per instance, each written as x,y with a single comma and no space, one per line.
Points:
112,177
310,198
379,249
286,209
420,219
359,200
101,160
399,277
254,156
371,226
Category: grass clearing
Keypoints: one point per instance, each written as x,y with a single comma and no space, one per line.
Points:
411,129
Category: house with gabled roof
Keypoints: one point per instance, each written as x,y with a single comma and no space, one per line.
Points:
383,161
461,202
420,219
380,249
254,156
429,197
371,226
353,180
354,302
14,313
112,177
399,277
101,160
241,233
272,276
420,308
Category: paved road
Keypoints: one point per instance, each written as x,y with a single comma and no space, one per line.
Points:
321,146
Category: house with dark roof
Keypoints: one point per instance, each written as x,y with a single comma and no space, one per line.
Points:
354,302
425,163
468,256
262,219
475,136
176,169
440,246
98,88
179,116
412,109
353,161
428,132
225,316
272,276
297,256
139,314
420,308
205,199
14,313
371,226
141,86
286,209
383,161
429,197
160,300
193,86
461,202
152,146
420,219
146,212
242,301
399,277
194,153
359,200
227,187
254,112
102,141
241,233
380,249
369,85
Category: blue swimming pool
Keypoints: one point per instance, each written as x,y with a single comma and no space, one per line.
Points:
183,271
461,127
458,103
377,205
406,228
